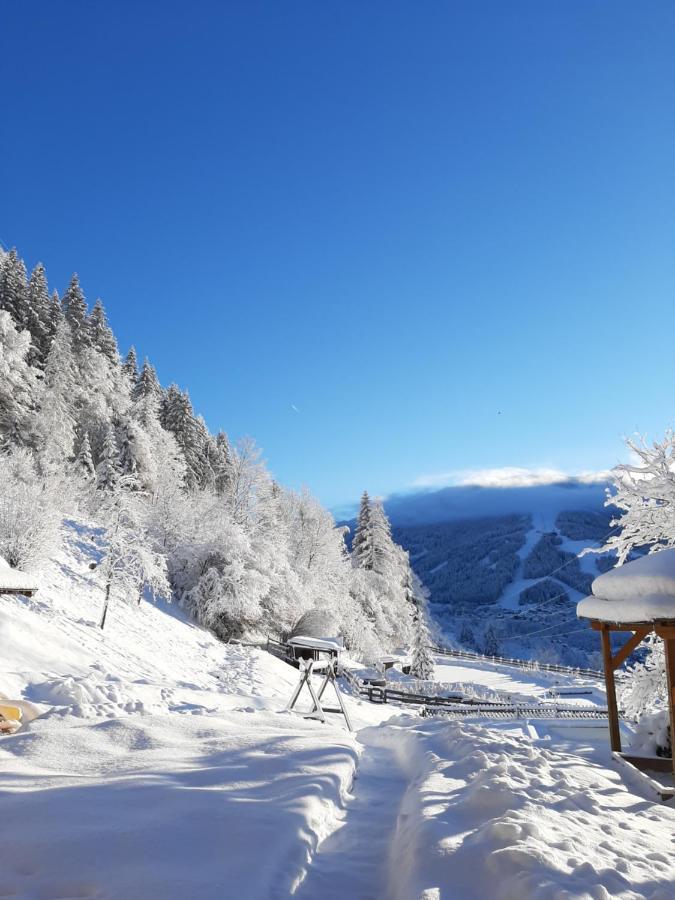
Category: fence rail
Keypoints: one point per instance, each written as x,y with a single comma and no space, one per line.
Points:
518,663
519,712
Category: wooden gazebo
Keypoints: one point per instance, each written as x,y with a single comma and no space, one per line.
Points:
637,598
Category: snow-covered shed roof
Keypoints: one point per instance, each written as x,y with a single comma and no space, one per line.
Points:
313,643
15,581
639,591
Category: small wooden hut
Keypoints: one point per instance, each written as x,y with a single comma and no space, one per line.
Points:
13,581
637,598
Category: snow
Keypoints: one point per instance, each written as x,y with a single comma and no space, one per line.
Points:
651,574
15,580
639,591
162,764
313,643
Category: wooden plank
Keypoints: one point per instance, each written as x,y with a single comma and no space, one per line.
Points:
612,709
635,765
630,645
669,644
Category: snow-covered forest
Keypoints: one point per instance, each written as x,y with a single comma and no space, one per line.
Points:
183,512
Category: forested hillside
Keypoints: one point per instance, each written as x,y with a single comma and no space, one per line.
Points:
182,512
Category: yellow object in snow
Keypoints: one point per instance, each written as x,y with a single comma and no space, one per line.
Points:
10,712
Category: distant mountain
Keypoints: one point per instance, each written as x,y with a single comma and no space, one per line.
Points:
501,563
473,501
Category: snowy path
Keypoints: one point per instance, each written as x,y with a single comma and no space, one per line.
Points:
354,861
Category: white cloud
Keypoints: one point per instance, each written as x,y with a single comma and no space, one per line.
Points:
506,477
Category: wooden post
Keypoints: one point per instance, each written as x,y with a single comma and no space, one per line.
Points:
669,644
612,709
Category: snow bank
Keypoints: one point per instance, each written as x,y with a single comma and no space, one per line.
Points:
491,814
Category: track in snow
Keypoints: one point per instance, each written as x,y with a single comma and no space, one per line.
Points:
353,861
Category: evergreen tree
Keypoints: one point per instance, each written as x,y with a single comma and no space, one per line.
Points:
362,546
128,462
146,383
57,421
130,366
108,469
54,319
422,664
466,637
38,308
100,334
222,464
490,642
383,547
75,310
18,385
13,289
84,462
178,417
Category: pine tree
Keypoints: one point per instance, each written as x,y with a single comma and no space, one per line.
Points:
18,384
54,319
362,546
57,421
178,417
222,464
128,454
38,304
108,470
490,642
466,637
100,334
422,663
75,310
84,462
383,547
146,383
13,289
130,366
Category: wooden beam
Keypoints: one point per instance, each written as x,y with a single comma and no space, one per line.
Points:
612,709
620,626
667,632
630,645
669,644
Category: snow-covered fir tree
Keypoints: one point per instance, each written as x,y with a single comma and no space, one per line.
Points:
422,661
490,642
108,469
84,462
362,545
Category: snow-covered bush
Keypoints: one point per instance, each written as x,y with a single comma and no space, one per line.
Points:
29,518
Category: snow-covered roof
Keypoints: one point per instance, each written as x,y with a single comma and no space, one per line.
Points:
15,580
301,640
639,591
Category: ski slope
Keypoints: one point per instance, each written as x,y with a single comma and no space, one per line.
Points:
160,764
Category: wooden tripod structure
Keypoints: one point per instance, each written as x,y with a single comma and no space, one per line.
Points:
329,670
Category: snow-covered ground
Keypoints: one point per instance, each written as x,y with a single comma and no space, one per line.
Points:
161,765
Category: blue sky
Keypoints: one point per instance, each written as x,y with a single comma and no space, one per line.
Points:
443,232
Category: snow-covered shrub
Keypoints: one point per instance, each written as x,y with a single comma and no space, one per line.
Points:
644,698
29,517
